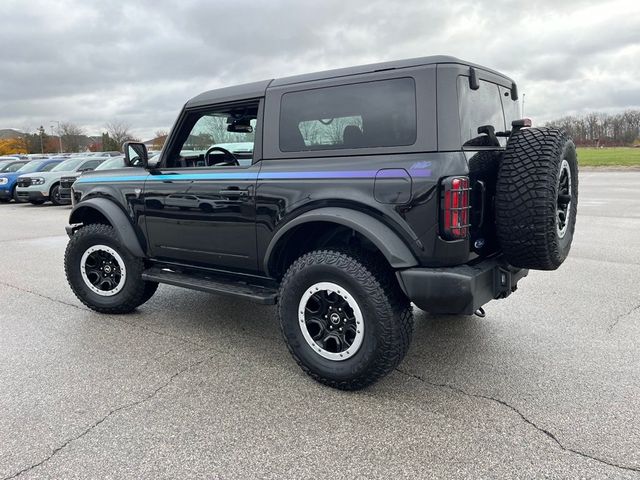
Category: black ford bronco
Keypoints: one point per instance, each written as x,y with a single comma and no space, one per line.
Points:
340,196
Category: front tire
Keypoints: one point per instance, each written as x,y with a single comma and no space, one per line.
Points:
54,195
344,318
103,274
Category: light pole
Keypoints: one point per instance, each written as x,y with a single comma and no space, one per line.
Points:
59,134
41,144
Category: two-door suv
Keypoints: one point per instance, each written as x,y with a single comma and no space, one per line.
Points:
357,192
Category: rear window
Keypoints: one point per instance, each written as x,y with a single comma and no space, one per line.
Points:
510,107
481,107
371,114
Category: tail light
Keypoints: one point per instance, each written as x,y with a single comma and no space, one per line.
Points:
455,207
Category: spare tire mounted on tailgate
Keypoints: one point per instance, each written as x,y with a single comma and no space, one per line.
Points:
537,198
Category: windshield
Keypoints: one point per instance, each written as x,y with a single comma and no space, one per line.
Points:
115,162
68,165
31,167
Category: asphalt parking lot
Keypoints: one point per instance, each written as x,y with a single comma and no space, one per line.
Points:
194,385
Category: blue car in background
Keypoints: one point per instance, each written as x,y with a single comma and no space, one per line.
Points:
11,171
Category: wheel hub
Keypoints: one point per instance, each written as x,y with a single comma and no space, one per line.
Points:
103,270
331,321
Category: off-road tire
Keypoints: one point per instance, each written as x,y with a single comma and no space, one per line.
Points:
387,316
135,290
527,198
54,195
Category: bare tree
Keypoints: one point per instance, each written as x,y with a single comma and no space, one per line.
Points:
72,136
160,137
119,132
603,129
215,127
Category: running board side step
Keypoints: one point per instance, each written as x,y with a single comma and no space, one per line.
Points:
212,284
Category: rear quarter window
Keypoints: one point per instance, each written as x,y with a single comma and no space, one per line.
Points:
361,115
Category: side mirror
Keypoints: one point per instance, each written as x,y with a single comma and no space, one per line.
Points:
135,154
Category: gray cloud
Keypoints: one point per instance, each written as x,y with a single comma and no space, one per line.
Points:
91,62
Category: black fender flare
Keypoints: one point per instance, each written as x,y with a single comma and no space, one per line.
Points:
384,238
116,217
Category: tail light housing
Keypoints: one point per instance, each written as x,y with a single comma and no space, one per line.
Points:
455,208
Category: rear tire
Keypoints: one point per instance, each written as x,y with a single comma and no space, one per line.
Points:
93,256
364,298
537,198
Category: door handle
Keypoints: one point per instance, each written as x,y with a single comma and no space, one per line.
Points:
233,192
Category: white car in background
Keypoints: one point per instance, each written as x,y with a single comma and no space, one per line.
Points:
40,187
67,180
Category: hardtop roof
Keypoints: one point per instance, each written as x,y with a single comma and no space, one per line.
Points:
258,89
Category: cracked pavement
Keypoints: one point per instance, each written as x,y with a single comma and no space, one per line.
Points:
192,385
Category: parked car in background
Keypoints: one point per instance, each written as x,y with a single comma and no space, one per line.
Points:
8,165
9,158
40,187
9,179
68,180
11,164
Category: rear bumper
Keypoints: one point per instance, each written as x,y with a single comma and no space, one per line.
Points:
461,289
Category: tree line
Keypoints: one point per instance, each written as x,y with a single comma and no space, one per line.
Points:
69,137
602,129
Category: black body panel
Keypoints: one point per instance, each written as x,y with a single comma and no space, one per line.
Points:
204,221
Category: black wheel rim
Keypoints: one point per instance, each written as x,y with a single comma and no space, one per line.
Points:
331,321
103,270
563,203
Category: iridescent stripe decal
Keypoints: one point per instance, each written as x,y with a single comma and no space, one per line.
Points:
299,175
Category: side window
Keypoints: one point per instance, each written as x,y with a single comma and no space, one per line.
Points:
219,136
478,108
48,166
90,165
371,114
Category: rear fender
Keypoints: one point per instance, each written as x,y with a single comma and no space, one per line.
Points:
386,240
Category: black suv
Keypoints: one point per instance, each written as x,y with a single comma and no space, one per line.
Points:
342,196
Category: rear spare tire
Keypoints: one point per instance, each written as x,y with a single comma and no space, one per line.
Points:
537,198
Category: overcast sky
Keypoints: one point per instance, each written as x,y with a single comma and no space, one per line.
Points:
90,62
